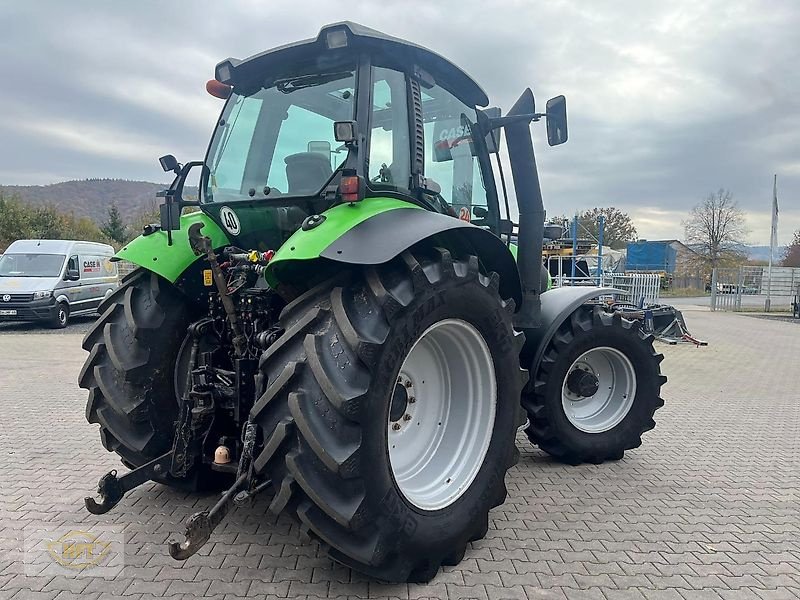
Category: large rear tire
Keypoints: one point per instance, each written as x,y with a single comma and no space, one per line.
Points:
129,372
383,381
596,389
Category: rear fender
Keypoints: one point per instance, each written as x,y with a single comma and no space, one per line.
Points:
153,252
557,306
376,230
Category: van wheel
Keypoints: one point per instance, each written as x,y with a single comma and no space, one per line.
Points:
61,318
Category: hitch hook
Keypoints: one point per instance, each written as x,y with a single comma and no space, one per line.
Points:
110,492
201,524
111,488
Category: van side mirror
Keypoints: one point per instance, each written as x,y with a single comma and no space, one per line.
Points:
72,275
556,120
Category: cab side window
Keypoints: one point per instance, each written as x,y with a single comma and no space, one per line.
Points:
451,159
389,150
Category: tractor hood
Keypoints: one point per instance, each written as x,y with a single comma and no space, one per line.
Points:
344,37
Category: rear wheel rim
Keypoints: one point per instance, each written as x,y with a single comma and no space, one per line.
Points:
615,381
443,407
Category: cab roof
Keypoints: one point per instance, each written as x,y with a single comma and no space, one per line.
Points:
234,71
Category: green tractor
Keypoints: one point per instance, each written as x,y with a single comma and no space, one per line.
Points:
345,324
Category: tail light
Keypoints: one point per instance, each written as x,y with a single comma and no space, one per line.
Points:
351,188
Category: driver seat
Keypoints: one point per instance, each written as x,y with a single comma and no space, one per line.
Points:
307,172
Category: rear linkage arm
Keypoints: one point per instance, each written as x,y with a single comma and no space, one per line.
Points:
112,488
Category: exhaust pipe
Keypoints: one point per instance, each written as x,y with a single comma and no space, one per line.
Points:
531,210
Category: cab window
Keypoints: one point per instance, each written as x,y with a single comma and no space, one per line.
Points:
73,264
389,151
451,159
279,140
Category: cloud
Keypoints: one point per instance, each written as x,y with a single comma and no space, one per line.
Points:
667,101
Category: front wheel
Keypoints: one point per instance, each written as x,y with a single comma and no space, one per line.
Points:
61,317
388,411
596,389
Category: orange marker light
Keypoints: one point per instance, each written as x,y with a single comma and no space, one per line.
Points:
218,89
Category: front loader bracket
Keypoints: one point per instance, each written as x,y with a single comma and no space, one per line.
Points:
111,488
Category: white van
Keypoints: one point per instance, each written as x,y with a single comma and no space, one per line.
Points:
51,280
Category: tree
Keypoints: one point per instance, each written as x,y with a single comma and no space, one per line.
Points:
791,258
716,229
618,229
19,221
114,227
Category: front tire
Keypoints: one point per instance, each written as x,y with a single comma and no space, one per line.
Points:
596,388
329,413
61,317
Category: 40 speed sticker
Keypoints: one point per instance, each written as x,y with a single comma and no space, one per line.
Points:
229,220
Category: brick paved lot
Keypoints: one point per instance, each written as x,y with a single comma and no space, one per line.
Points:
709,507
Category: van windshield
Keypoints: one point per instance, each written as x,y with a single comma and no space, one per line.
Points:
31,265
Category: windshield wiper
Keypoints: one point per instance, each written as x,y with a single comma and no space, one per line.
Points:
288,85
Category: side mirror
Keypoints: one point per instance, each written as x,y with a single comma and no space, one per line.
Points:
170,216
170,163
170,210
556,120
72,275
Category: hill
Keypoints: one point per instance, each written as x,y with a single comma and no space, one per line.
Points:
91,197
762,253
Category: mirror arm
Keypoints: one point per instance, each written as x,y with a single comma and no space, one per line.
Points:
497,122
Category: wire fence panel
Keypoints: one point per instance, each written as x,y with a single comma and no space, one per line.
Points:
637,288
640,288
753,288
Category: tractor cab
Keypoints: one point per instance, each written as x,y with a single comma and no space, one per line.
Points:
351,114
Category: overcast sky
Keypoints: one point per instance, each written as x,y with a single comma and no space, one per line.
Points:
667,101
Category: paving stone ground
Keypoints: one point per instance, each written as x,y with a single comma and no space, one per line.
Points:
708,507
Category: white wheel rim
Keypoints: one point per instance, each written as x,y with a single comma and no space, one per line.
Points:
615,380
442,414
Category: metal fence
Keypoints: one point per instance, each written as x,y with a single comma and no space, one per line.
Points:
637,288
754,288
